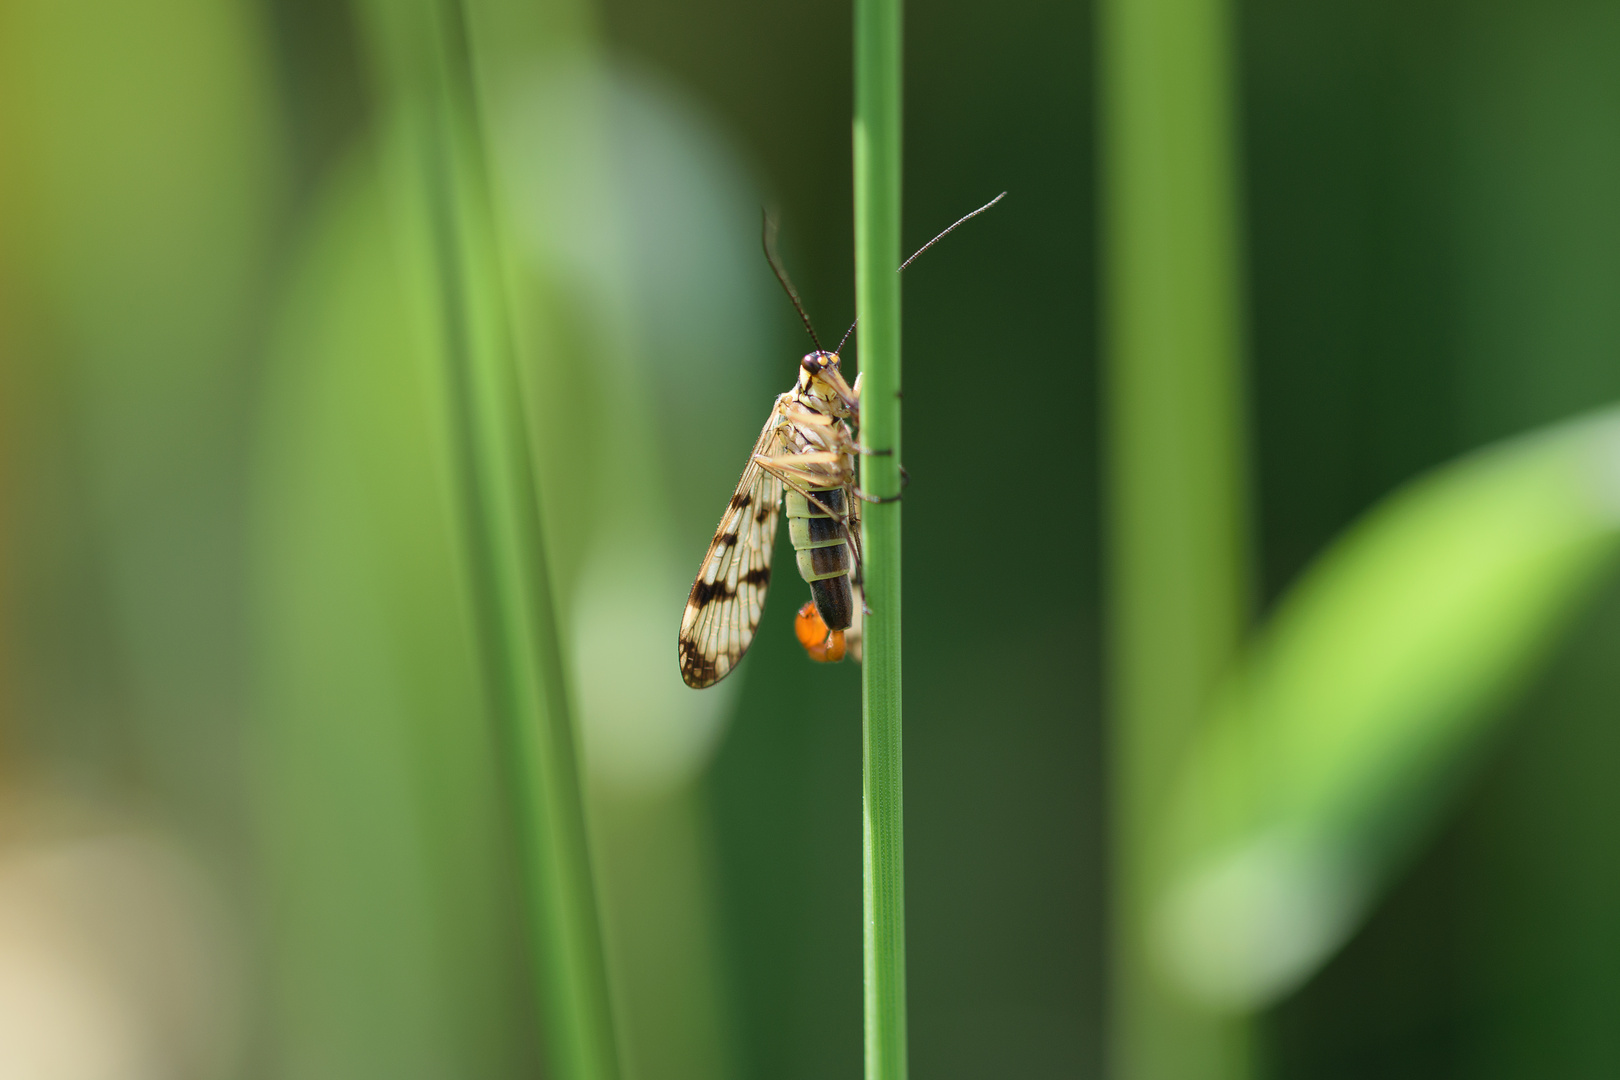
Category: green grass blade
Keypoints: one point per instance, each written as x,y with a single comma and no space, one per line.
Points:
1366,695
430,82
391,920
877,303
1177,500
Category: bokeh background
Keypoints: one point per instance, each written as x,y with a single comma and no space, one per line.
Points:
250,822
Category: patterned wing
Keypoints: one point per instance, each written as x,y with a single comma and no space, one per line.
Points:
729,595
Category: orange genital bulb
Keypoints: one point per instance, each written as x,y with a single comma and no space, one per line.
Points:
823,646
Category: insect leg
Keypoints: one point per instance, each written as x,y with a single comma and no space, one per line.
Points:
799,480
798,414
807,457
905,482
853,528
857,580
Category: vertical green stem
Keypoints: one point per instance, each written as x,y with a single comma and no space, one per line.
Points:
524,658
428,76
877,304
1177,489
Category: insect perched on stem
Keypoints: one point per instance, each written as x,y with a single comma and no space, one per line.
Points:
806,456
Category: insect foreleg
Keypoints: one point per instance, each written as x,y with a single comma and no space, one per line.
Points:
799,480
798,414
798,460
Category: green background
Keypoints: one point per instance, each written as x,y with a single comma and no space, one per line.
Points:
232,626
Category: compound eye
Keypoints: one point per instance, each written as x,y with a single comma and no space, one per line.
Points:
812,362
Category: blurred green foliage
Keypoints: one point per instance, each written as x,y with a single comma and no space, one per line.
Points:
1176,504
233,631
1338,738
392,922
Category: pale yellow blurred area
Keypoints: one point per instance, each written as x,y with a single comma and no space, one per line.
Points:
117,961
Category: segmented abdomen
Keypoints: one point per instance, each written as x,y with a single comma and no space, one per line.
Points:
822,549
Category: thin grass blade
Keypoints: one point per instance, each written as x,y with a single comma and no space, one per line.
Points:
877,303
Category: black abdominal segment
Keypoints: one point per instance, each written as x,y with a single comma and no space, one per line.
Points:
821,547
835,602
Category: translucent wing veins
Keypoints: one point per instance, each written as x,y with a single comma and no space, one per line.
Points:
728,597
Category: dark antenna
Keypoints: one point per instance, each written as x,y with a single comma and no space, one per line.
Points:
925,247
768,239
848,332
947,232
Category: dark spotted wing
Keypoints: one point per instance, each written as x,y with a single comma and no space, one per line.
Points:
728,597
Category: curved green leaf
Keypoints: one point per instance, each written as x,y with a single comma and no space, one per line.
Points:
1334,743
